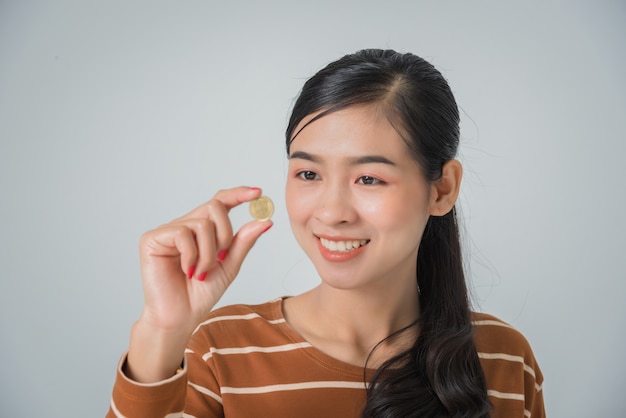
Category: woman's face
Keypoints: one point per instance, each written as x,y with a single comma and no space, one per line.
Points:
357,200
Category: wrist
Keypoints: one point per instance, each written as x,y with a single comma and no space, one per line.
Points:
154,354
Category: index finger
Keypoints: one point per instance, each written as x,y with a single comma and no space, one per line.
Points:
230,198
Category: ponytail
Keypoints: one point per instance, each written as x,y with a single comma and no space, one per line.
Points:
440,375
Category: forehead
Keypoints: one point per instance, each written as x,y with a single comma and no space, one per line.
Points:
353,130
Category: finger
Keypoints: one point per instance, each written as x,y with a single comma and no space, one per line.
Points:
223,228
213,234
171,241
204,235
229,198
234,197
243,241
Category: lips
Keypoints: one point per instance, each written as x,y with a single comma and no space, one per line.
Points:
342,246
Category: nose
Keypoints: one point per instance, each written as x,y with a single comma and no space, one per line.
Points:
335,205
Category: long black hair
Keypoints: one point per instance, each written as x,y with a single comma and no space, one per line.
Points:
440,375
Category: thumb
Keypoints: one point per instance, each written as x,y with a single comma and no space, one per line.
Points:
241,244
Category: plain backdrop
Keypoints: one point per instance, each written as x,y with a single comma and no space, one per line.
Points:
118,116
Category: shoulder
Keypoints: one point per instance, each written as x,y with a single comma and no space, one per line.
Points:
512,372
493,335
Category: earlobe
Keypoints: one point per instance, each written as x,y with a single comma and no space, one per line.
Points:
445,191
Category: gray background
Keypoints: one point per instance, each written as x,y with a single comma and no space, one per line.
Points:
117,116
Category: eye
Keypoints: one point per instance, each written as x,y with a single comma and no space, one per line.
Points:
307,175
369,180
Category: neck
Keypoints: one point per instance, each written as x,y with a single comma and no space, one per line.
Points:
384,309
364,317
347,324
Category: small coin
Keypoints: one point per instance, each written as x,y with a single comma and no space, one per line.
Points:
261,208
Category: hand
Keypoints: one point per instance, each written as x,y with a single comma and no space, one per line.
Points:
186,266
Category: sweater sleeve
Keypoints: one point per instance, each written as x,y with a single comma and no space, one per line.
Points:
533,388
131,399
193,391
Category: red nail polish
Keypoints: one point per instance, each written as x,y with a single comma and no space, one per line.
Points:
254,188
222,255
268,227
191,271
202,276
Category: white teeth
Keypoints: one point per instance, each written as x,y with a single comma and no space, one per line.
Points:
342,246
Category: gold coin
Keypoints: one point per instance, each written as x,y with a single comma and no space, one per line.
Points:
261,208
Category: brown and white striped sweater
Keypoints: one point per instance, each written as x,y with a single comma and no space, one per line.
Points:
246,361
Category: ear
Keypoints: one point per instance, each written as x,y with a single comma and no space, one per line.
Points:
444,192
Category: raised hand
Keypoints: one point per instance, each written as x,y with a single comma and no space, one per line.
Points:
186,266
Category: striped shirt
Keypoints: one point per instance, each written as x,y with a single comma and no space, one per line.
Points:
246,361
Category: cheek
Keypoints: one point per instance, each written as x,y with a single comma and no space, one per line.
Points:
297,203
298,212
397,213
290,199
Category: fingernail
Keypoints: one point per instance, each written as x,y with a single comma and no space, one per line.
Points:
268,227
254,188
191,271
222,255
202,276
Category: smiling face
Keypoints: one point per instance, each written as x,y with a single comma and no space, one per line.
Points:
357,200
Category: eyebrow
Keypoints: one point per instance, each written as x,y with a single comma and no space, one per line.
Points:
365,159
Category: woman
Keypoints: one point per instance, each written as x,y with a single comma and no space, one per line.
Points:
371,189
